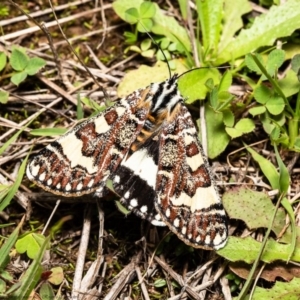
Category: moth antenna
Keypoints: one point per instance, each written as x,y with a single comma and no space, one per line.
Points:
198,68
159,48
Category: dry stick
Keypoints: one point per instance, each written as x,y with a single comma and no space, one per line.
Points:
125,276
178,278
51,216
143,286
41,13
225,288
33,29
104,26
92,273
82,252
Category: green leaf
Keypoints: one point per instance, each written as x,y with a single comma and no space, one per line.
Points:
228,117
262,94
257,110
226,81
145,25
31,244
210,17
15,186
146,44
3,60
57,276
275,60
281,290
18,60
32,275
132,15
8,245
254,208
17,78
275,105
48,131
217,138
232,21
278,22
159,283
34,65
296,65
147,10
247,249
266,167
251,64
245,125
289,84
46,291
4,97
192,85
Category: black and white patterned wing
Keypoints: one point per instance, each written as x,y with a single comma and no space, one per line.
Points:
135,181
187,199
80,161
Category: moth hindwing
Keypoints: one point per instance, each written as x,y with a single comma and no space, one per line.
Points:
147,145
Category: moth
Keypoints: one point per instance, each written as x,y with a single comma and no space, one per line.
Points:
147,144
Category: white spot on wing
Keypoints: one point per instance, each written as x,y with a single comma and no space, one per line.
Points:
68,187
133,203
42,176
144,209
127,194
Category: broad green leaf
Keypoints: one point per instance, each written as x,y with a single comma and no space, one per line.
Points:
147,9
3,60
296,63
15,186
18,60
132,15
245,125
275,60
232,21
217,138
266,167
262,94
146,44
48,131
17,78
275,105
226,81
145,25
34,65
289,84
278,22
257,110
192,85
210,16
32,275
46,291
4,97
57,276
31,244
228,117
281,290
247,249
254,208
251,64
159,283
